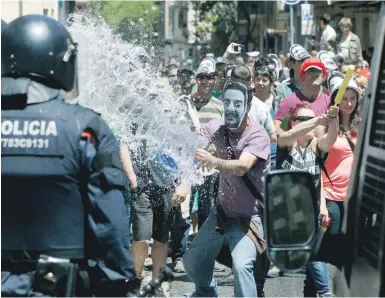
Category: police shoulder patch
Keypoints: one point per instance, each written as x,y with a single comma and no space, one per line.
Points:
29,136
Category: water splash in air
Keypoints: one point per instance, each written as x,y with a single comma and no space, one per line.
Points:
120,81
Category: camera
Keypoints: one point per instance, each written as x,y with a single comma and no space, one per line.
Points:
238,48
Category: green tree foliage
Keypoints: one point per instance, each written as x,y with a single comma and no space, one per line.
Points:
133,20
215,24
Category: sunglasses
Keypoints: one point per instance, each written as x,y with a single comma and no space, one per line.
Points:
303,118
205,77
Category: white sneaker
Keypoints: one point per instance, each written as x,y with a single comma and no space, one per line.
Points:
219,267
178,266
273,272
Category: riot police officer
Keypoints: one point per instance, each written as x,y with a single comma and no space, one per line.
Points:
64,224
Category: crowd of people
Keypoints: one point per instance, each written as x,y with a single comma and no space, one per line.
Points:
270,112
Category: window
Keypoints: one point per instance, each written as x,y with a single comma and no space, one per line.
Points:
365,37
182,18
258,8
353,22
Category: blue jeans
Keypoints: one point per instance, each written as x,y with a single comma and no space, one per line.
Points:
318,273
317,278
336,212
200,258
207,194
179,234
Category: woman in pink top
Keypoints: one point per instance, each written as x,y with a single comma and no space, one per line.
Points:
340,158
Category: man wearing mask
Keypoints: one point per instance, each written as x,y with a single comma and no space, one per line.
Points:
243,150
259,111
312,74
201,108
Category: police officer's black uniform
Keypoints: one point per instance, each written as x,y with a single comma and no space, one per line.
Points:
3,25
62,178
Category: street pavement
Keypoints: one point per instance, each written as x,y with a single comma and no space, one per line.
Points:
290,285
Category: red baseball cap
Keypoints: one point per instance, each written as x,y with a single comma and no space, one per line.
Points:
363,72
313,63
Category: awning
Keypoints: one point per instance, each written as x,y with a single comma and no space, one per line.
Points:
347,4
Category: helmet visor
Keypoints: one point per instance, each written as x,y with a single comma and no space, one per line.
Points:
74,92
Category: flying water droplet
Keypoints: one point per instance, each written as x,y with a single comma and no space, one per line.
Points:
120,81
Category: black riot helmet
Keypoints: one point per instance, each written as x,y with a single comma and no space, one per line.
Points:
3,25
40,48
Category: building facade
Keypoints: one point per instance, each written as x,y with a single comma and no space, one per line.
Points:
11,9
265,26
179,30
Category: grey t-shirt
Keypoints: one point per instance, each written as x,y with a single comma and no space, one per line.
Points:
259,112
233,195
141,162
141,168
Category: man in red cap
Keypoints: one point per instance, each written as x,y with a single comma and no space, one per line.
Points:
363,72
312,74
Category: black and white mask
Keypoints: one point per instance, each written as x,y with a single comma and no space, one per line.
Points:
235,104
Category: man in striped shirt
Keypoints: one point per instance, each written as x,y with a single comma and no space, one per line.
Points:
202,105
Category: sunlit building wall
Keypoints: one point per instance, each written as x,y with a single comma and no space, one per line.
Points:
12,9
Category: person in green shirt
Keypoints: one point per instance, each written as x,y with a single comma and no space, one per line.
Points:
115,128
221,67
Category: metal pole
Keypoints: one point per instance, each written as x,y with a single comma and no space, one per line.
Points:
166,32
20,8
291,25
61,12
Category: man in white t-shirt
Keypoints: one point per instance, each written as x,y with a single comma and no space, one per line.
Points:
328,37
